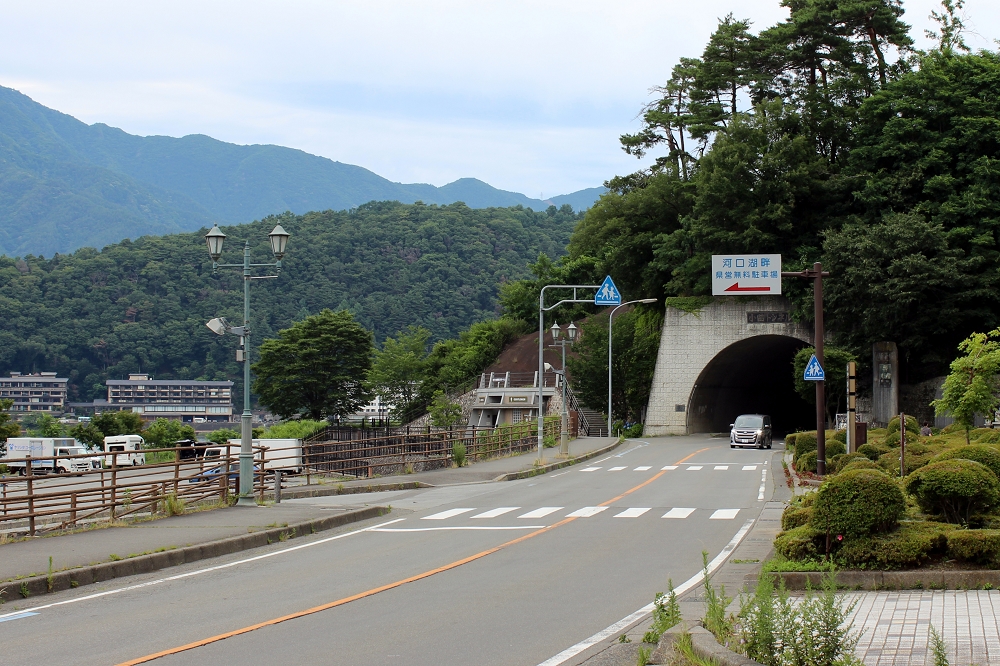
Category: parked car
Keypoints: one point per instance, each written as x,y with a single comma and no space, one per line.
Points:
751,430
214,473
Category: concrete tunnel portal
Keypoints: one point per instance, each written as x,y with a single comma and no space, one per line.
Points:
753,375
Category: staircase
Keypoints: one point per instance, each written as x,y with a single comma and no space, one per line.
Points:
592,424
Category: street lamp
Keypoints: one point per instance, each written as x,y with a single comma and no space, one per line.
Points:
644,300
569,339
215,239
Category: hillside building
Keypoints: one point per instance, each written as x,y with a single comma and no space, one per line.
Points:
39,392
176,399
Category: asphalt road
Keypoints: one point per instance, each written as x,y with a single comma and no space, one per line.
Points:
453,575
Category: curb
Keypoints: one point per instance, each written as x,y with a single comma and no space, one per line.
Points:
544,469
894,580
703,645
325,491
99,573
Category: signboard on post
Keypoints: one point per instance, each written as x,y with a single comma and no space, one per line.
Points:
608,294
746,274
814,371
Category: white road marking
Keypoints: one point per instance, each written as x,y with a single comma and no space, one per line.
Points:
450,513
763,483
541,513
616,469
559,474
749,468
458,527
694,468
632,618
198,572
724,514
642,468
493,513
586,512
632,513
722,467
590,469
678,512
668,468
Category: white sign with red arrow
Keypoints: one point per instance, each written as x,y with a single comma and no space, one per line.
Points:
746,274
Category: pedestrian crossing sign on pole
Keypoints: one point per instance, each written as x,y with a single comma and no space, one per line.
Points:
608,294
814,371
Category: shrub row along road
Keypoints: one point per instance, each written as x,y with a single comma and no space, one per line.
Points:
501,573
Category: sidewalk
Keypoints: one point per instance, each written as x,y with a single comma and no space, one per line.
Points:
164,541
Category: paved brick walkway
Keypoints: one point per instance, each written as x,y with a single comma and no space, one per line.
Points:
896,626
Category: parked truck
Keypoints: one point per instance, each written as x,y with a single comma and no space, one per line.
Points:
127,450
46,454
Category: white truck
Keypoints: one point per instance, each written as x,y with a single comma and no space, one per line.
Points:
126,450
283,454
46,454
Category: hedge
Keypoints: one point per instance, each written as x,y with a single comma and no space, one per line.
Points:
890,462
872,451
858,502
909,546
893,428
861,463
840,436
975,546
838,463
804,442
790,442
981,453
795,516
955,489
798,543
806,462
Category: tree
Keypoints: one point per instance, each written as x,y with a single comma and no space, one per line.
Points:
89,434
444,412
164,433
835,362
317,368
43,425
223,435
400,367
8,427
118,423
971,387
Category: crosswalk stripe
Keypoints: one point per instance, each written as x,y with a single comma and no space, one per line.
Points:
493,513
724,514
749,468
616,469
678,512
722,467
541,513
668,468
590,469
694,468
450,513
632,513
586,512
643,468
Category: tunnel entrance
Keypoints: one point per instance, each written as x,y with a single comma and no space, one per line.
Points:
751,376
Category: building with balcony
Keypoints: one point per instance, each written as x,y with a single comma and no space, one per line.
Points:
39,392
176,399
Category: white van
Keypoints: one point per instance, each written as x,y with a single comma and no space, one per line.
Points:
127,450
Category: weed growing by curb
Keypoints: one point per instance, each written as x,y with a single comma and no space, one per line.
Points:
939,649
643,657
666,614
24,590
715,607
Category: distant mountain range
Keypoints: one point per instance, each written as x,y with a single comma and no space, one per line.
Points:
65,184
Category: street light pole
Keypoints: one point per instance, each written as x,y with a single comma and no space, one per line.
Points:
215,239
610,316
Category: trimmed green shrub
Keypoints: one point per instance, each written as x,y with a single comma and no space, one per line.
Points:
955,489
790,442
806,462
798,543
950,428
893,429
872,451
890,462
804,442
986,455
794,516
975,546
835,448
909,546
977,434
991,437
833,463
858,502
838,463
861,463
840,436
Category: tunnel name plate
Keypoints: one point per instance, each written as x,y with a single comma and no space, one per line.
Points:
773,317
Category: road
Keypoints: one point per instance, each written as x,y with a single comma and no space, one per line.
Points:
497,573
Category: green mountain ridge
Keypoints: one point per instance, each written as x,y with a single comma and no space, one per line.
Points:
65,184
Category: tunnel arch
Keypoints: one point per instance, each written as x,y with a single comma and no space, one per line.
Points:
750,376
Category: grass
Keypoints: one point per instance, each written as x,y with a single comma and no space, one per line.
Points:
24,590
778,564
666,614
174,505
683,654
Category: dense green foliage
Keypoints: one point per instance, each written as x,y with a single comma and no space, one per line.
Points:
975,546
858,502
954,489
8,428
165,433
971,386
66,185
980,453
400,367
142,305
316,368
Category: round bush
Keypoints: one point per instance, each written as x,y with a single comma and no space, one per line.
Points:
840,436
976,546
954,489
838,463
790,442
858,502
872,451
860,463
804,442
806,462
986,455
795,516
890,462
893,429
834,448
798,543
977,434
992,437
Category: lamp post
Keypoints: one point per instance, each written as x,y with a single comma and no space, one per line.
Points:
569,339
610,316
215,239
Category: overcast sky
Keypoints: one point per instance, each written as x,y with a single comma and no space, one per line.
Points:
527,96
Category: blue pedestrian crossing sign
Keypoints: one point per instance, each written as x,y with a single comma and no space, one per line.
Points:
814,371
608,294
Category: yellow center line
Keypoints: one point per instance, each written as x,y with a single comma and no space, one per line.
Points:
389,586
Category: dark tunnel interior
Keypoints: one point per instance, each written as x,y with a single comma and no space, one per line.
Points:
752,376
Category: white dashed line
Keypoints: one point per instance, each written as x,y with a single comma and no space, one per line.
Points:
586,512
694,468
722,467
632,513
668,468
450,513
590,469
678,512
493,513
749,468
616,469
724,514
643,468
541,513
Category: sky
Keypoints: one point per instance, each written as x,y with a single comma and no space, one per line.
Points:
529,96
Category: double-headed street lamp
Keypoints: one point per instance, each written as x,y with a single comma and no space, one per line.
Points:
610,316
568,340
215,239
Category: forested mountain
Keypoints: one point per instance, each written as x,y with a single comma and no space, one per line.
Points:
142,305
66,185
